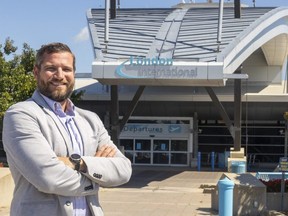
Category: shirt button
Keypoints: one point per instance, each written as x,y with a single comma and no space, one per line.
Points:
68,203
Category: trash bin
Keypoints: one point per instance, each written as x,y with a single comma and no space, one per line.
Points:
238,167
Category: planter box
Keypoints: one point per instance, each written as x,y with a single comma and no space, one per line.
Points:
249,195
274,201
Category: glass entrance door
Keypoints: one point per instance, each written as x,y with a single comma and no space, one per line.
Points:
156,151
161,150
142,151
179,152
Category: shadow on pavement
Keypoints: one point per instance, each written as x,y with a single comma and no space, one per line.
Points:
142,176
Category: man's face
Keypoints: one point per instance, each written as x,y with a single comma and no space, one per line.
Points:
55,77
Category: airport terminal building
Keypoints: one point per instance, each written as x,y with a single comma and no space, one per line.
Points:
169,83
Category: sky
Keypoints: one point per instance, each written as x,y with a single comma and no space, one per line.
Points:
38,22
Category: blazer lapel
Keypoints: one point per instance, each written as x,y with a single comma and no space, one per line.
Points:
42,103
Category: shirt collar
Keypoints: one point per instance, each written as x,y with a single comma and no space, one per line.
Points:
57,109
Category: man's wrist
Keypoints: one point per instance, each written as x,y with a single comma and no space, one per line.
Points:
82,166
75,159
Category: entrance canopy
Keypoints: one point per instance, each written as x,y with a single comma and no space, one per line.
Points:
178,46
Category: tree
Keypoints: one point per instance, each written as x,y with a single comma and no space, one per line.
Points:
16,77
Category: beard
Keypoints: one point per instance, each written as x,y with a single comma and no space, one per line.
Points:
57,94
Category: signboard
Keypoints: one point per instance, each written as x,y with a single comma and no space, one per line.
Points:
283,164
157,130
158,72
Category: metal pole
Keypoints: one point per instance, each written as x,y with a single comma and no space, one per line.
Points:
237,111
199,161
113,9
195,135
285,156
286,134
220,21
107,16
237,8
213,160
286,138
115,115
282,190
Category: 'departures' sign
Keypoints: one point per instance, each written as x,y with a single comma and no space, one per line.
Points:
161,130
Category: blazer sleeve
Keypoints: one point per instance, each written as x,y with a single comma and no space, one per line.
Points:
110,171
31,156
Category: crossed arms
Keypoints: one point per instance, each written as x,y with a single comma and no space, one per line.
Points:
34,151
104,151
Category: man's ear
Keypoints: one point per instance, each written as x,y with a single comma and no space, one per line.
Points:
35,72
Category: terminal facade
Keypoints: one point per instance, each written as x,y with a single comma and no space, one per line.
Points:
166,67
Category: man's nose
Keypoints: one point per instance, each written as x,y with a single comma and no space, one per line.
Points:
59,73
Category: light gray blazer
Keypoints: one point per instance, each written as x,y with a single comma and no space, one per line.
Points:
33,138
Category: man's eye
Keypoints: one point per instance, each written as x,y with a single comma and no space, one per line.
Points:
52,69
67,70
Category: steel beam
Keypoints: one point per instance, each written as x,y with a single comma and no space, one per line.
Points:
237,111
221,110
132,107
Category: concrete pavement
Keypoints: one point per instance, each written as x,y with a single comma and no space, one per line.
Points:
159,191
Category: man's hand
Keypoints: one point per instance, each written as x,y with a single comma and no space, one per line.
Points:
106,151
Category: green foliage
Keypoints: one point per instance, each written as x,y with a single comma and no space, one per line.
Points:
77,96
16,78
17,82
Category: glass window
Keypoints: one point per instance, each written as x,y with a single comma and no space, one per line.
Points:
178,158
161,145
142,157
142,145
160,158
127,143
179,145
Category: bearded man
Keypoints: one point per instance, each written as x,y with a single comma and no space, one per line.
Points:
59,155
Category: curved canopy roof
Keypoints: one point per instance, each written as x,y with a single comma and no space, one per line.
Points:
178,46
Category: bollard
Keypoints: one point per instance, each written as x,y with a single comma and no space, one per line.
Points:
225,188
199,161
212,160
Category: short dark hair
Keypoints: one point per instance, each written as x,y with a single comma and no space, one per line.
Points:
53,48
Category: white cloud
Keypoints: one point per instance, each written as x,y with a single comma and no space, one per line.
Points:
83,35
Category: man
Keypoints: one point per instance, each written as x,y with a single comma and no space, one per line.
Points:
58,154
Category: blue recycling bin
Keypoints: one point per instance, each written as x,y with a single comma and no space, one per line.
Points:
238,167
225,187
